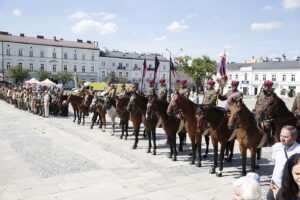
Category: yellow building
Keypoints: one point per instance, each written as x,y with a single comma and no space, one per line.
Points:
255,60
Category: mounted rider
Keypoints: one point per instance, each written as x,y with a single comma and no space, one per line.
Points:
234,89
163,91
107,89
184,90
266,92
210,96
151,89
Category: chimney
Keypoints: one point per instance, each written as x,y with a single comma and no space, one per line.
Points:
79,40
88,41
3,33
61,39
40,36
54,38
22,34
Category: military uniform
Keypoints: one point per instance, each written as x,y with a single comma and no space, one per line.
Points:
106,91
229,93
150,91
262,98
184,92
296,106
163,93
210,97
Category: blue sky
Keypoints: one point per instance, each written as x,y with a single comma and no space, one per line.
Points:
260,28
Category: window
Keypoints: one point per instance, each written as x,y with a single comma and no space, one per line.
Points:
120,64
113,64
8,65
164,76
236,77
164,67
65,68
54,55
83,68
256,77
93,57
42,54
20,52
65,56
283,77
83,56
21,65
127,64
126,75
230,77
31,67
92,69
293,77
120,74
75,68
92,80
103,63
8,52
54,68
30,53
42,67
245,76
75,56
103,74
150,66
264,77
273,77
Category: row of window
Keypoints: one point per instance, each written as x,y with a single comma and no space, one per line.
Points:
120,65
42,54
264,77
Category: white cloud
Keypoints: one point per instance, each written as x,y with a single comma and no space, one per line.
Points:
265,26
177,27
84,15
161,38
268,7
104,15
16,12
192,16
79,15
289,4
94,27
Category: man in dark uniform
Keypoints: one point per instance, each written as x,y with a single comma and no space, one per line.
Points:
150,91
163,91
234,89
296,106
184,90
210,96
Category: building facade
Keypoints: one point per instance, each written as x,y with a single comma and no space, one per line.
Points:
285,75
85,58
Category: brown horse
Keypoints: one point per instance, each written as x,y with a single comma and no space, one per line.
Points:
75,102
84,107
122,112
170,124
249,133
216,120
185,107
274,111
97,107
137,106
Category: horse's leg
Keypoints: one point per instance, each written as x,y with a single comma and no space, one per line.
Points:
199,141
144,133
113,118
122,127
227,150
230,145
171,147
83,120
79,117
253,158
207,145
94,119
258,156
214,142
193,150
149,140
126,129
173,140
154,139
243,151
181,138
75,114
219,173
136,134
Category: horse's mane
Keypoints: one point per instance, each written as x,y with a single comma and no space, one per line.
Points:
281,104
214,108
245,111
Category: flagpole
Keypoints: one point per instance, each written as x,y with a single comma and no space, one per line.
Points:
143,75
170,82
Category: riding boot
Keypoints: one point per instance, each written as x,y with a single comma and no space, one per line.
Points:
269,138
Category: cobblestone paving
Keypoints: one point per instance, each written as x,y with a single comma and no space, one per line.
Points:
54,158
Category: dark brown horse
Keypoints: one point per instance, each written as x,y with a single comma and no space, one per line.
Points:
170,124
75,102
97,107
249,133
84,107
122,112
137,106
274,111
215,119
187,109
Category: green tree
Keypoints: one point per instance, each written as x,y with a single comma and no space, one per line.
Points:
44,75
111,77
18,74
64,77
199,70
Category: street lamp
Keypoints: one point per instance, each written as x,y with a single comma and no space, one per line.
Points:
170,69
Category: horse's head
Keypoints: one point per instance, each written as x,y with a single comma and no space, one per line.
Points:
269,109
152,107
121,104
109,103
235,114
175,104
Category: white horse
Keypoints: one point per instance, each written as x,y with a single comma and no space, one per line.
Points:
110,106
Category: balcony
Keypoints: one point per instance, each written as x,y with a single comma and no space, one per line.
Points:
122,68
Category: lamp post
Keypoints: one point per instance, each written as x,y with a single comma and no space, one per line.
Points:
170,70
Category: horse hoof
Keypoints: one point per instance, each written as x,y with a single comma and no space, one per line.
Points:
125,138
199,164
121,137
219,174
174,159
91,127
103,130
192,162
154,152
204,156
212,171
256,166
244,173
149,151
134,146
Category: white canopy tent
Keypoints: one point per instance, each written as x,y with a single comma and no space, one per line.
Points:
32,83
47,83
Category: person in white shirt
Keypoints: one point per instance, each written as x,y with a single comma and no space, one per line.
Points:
46,104
280,154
